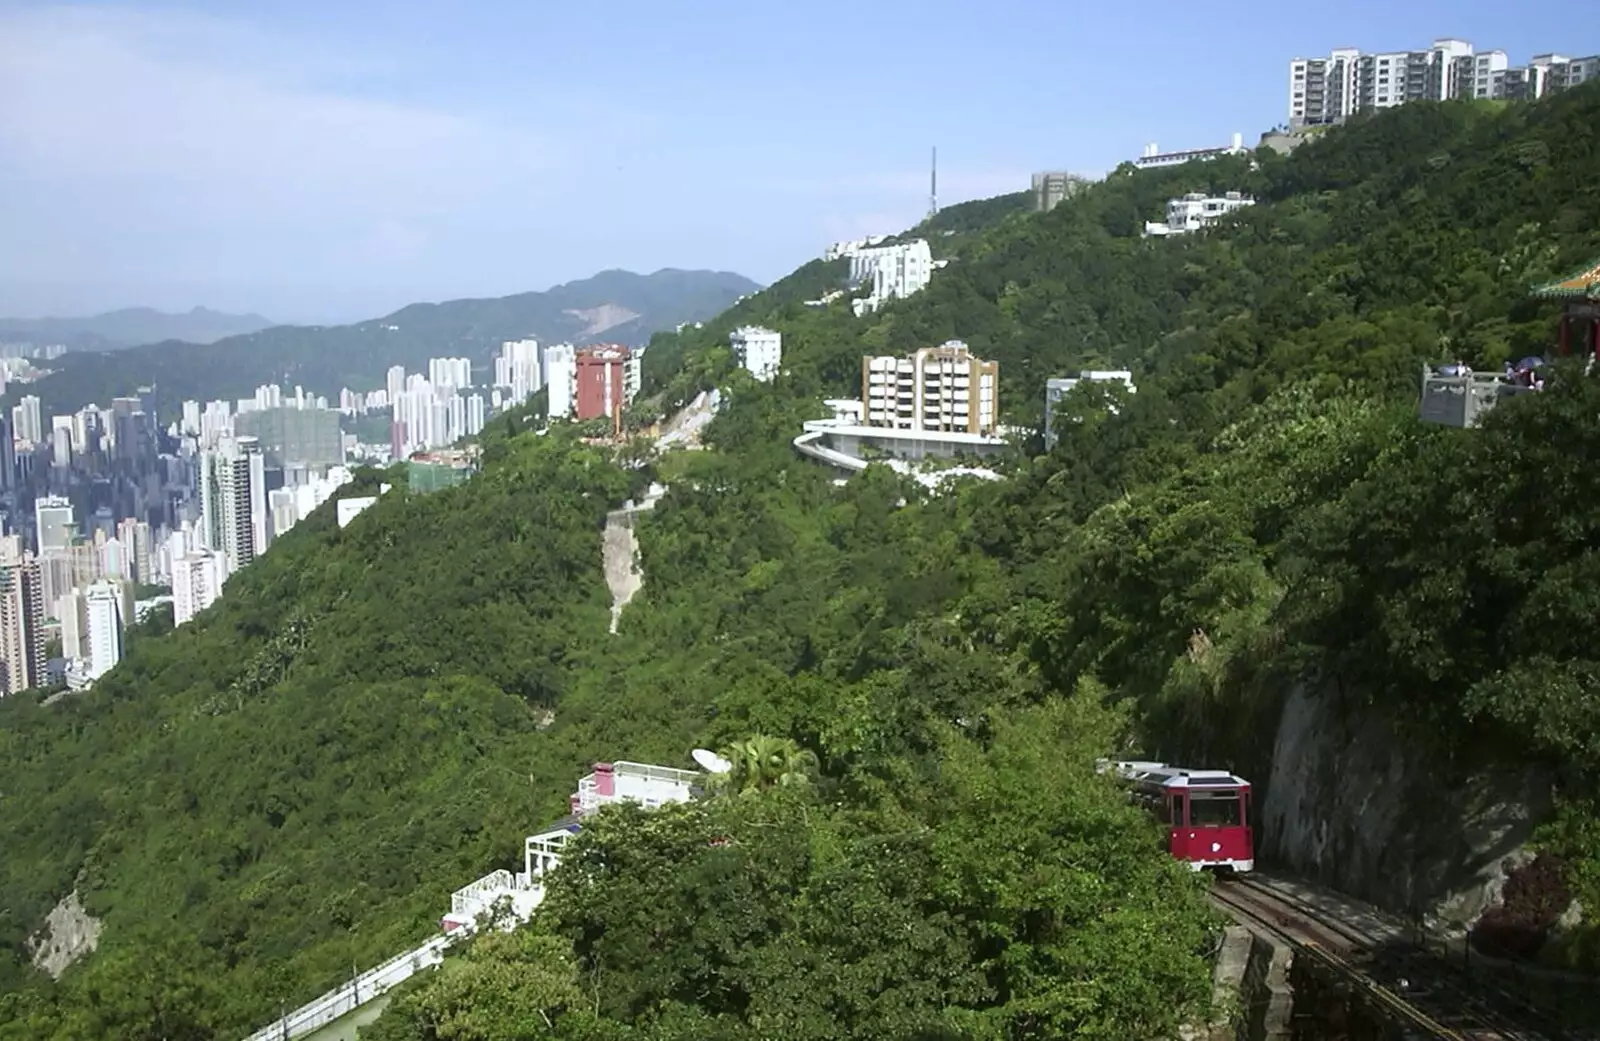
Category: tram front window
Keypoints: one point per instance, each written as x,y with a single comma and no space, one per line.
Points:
1214,810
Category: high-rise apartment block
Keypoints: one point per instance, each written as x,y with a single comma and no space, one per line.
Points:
561,377
1324,91
197,578
22,663
518,369
758,351
606,379
455,373
104,600
233,494
943,389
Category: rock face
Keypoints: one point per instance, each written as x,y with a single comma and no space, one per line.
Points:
68,934
1355,804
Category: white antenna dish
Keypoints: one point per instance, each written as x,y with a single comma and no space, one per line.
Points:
710,761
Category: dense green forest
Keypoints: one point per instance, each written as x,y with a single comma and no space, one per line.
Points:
324,359
295,782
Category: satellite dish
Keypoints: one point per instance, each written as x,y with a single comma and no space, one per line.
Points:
710,761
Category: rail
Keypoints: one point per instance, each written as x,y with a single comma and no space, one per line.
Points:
347,997
1359,959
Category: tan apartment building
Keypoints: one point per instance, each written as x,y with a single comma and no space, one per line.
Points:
945,389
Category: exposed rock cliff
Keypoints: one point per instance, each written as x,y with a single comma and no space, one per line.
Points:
1357,804
69,933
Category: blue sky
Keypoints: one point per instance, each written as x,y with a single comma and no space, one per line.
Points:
334,160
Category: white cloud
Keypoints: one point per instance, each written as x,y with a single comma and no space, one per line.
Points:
129,135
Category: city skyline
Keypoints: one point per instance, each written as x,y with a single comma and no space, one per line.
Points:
333,164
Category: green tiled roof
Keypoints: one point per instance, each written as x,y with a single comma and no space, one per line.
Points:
1579,284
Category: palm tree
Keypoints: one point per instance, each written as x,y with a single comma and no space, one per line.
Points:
761,762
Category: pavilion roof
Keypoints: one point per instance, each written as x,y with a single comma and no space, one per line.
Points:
1584,283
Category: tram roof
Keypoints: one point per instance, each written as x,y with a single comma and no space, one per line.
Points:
1166,776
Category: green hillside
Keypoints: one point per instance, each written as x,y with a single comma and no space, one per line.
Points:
324,359
296,782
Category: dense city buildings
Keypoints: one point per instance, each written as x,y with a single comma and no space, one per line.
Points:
758,351
308,436
944,388
1325,91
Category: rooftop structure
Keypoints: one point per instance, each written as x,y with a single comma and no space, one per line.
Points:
1154,158
443,468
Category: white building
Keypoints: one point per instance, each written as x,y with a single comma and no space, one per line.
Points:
518,369
1058,387
759,351
1324,91
351,507
561,377
845,249
54,524
641,783
941,388
1196,210
197,578
454,373
104,601
892,272
233,495
1154,158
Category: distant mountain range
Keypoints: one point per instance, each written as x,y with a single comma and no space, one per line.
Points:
611,307
129,327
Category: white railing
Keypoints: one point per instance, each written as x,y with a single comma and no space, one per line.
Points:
347,997
470,899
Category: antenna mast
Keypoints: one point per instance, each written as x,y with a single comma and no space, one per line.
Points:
933,185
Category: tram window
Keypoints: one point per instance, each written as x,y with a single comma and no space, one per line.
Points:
1177,811
1215,811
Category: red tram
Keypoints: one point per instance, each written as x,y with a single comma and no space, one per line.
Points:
1207,812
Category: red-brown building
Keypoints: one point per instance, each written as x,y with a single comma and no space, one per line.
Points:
607,377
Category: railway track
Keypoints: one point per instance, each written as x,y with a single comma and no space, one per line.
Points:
1431,998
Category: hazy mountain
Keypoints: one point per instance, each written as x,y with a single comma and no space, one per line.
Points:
131,326
611,307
